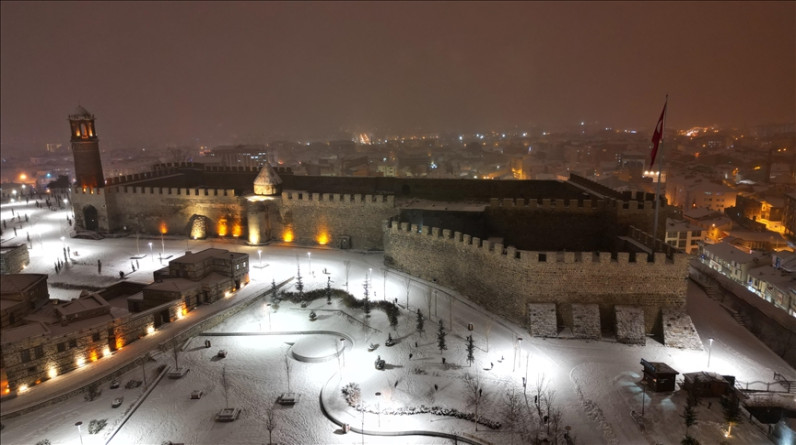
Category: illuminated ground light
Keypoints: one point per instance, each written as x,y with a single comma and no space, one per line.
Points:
237,230
288,236
150,329
222,228
23,387
119,343
93,356
52,373
163,228
323,239
80,361
106,351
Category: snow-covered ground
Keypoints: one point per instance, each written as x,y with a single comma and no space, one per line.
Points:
593,383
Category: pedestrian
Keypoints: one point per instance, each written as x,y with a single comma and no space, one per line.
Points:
15,231
12,211
27,234
69,250
435,387
26,217
415,344
137,266
491,365
410,356
99,266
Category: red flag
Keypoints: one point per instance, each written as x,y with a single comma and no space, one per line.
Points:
657,135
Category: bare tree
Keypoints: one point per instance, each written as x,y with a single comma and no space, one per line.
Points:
475,393
270,423
513,412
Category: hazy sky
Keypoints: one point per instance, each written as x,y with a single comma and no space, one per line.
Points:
181,72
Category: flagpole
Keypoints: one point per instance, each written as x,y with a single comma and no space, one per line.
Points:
658,185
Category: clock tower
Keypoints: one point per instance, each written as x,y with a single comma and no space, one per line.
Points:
85,149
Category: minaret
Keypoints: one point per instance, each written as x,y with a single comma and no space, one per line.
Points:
85,149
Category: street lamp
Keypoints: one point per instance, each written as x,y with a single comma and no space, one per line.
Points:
378,407
710,349
517,348
77,424
342,349
151,255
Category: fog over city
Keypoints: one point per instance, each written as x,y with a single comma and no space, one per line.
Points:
183,73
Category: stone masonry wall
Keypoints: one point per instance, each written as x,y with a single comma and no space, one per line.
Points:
312,215
507,279
145,208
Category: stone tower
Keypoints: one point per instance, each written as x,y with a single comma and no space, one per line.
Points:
85,149
263,207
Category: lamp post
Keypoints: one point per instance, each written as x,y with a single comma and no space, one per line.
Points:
378,407
342,344
268,310
77,424
151,255
162,244
517,348
260,254
710,350
643,396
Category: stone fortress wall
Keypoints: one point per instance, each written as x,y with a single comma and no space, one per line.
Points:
327,218
506,279
152,209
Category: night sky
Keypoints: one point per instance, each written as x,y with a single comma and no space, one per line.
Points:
158,73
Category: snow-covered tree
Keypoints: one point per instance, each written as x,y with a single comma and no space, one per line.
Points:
328,290
732,412
441,338
470,350
299,283
366,302
419,326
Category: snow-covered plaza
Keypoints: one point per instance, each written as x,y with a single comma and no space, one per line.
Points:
277,349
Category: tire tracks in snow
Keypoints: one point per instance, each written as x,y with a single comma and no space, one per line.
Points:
594,412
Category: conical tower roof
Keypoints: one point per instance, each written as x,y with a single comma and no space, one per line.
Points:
81,113
267,181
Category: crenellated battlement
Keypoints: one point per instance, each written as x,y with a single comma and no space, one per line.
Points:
186,192
572,205
294,197
474,244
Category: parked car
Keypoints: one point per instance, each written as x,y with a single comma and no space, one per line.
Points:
115,383
117,402
197,394
222,353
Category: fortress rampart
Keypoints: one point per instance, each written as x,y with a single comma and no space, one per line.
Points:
507,279
339,220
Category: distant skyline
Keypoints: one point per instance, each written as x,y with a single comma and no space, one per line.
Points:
177,73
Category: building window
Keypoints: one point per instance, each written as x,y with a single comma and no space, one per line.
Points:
39,351
72,343
61,347
25,355
95,336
